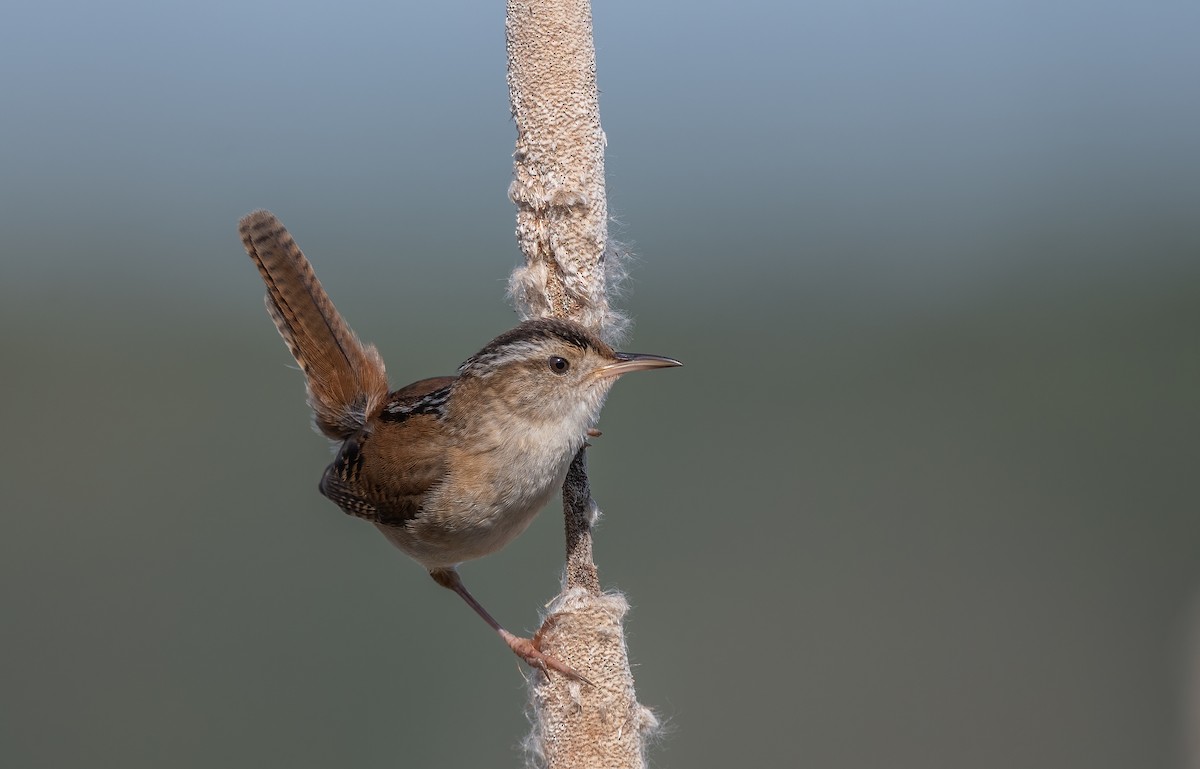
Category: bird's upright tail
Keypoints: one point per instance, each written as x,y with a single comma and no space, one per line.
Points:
346,378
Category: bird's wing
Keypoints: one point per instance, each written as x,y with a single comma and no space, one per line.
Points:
385,482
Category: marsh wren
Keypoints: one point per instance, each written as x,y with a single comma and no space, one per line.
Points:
449,468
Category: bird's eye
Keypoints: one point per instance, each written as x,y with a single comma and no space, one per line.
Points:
558,365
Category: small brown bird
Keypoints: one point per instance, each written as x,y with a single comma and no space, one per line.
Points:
449,468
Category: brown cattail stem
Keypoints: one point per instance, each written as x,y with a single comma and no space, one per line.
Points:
562,229
579,510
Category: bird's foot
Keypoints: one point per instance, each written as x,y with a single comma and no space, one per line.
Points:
529,649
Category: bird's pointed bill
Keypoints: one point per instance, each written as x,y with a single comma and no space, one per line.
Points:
633,361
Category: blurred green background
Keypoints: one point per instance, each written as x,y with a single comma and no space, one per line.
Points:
926,493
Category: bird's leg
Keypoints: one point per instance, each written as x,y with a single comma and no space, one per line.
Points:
525,648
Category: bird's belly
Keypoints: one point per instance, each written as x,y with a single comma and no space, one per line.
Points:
466,519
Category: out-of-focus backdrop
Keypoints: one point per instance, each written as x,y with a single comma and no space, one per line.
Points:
927,492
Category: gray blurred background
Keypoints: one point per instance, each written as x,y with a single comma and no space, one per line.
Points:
925,495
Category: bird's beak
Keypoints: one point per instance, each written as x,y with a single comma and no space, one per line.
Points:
632,361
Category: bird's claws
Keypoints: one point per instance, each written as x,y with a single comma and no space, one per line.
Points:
529,650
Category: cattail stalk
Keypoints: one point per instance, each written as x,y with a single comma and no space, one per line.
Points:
570,271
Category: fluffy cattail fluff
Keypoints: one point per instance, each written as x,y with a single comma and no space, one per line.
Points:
558,285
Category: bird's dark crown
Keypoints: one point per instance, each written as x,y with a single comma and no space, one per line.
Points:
519,342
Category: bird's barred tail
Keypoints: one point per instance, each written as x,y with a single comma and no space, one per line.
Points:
346,378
